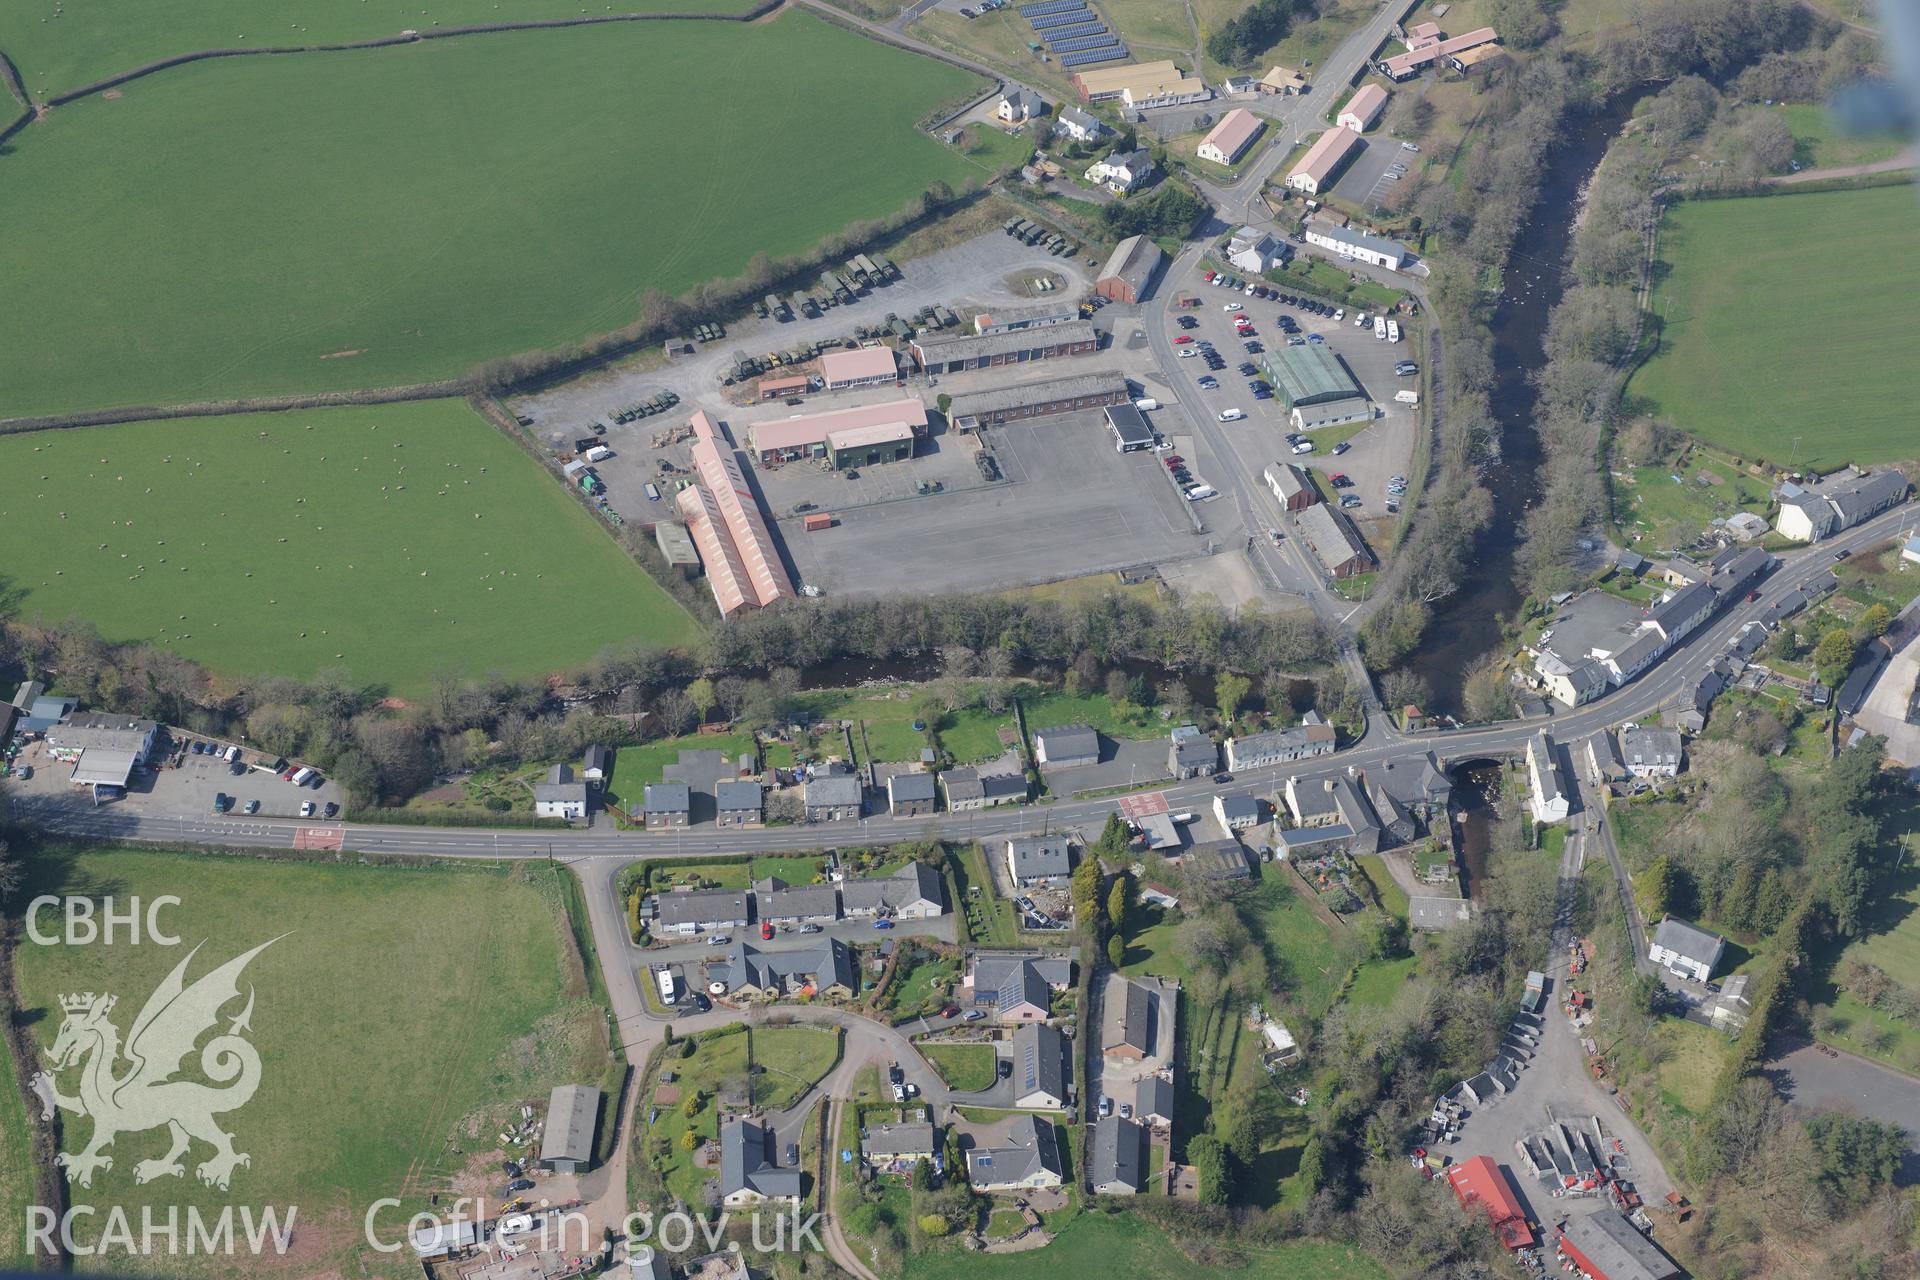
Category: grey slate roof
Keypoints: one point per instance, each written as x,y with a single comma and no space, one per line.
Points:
573,1113
833,791
1218,860
993,969
737,797
825,964
1039,1061
905,1139
909,786
1614,1245
1867,496
1240,808
1119,1155
669,797
909,884
1689,940
1153,1099
596,759
775,899
747,1162
703,907
1035,856
1127,1022
1681,605
1028,1148
1648,747
1415,781
1068,742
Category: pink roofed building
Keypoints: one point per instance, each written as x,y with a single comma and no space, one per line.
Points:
1230,138
1324,160
865,367
728,528
805,435
1363,108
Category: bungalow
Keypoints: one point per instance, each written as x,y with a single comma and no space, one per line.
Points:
777,902
1229,139
967,789
1363,108
1119,1166
1065,746
749,1174
825,969
1153,1101
699,911
1279,746
892,1146
560,796
1126,1022
1040,1068
1281,81
911,893
1323,161
668,804
737,804
1038,860
834,797
910,795
1025,1158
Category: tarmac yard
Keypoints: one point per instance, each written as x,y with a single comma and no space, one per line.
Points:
1069,505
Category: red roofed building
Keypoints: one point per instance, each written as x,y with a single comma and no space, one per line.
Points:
723,515
1482,1185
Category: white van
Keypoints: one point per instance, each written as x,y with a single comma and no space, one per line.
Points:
1145,404
1201,492
1379,332
1232,415
1407,397
300,778
1305,446
599,453
232,754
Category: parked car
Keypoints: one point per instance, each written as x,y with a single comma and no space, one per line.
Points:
766,931
1106,1106
883,924
972,1015
252,806
520,1184
1350,500
512,1169
1006,1064
810,928
306,808
719,939
1232,415
330,810
1316,339
1341,448
1232,306
1182,340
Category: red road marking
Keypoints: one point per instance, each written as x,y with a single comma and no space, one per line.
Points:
1136,807
320,838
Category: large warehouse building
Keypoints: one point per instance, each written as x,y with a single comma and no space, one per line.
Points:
1608,1247
810,435
1037,399
1129,270
1017,346
1140,85
723,515
1315,387
1230,138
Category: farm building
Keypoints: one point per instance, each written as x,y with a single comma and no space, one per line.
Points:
723,515
1142,85
1608,1247
1358,245
1129,270
1363,108
1686,949
1019,346
676,546
1229,139
560,796
1424,51
1280,81
573,1117
1291,488
806,435
973,410
1335,543
1324,160
968,788
863,367
1482,1187
1312,377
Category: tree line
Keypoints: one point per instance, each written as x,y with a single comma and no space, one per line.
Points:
1255,29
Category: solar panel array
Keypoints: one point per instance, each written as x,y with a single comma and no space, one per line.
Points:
1075,31
1092,56
1048,6
1083,44
1064,18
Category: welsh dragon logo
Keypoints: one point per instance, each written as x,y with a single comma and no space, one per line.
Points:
145,1095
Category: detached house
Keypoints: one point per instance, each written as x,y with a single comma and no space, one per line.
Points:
1016,986
1548,796
1040,1068
749,1174
560,796
1027,1158
737,804
1122,171
1038,860
912,893
668,804
1686,949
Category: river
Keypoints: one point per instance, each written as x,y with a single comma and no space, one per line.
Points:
1470,622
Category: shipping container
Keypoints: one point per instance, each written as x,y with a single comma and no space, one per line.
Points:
818,521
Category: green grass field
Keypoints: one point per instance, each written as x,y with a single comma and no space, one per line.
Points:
395,541
59,49
16,1171
1653,514
1893,945
717,1062
1059,708
1093,1244
345,220
374,1075
1820,144
1786,325
790,1059
967,1067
